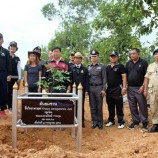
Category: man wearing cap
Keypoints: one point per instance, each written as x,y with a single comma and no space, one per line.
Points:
116,87
72,54
151,89
97,89
5,75
136,70
16,71
80,75
41,61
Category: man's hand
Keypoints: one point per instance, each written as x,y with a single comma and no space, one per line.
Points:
123,92
141,89
9,78
103,93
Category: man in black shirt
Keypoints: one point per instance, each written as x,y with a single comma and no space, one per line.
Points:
16,71
5,75
116,87
79,74
136,70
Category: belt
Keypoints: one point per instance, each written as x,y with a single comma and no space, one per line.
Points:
93,84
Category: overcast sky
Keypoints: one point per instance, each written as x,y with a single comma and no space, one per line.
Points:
22,21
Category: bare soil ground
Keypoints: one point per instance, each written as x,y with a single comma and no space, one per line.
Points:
110,142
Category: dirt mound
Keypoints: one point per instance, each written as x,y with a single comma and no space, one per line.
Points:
110,142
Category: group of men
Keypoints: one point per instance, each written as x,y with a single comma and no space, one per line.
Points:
98,80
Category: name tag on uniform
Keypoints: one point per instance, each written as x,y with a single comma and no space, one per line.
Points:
2,54
98,67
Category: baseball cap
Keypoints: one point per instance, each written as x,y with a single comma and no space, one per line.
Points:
155,51
13,43
114,54
72,53
37,48
1,36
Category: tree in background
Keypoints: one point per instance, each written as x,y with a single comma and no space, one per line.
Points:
105,25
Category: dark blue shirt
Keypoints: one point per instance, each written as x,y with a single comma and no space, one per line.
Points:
32,73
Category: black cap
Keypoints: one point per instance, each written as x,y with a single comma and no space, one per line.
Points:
155,51
33,52
94,53
37,48
13,43
72,53
114,54
1,36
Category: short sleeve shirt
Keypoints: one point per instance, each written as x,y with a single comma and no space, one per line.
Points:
114,75
32,73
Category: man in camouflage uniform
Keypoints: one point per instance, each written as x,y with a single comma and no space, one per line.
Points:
151,88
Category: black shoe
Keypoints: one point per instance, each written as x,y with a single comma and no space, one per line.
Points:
154,128
94,125
145,127
100,126
133,125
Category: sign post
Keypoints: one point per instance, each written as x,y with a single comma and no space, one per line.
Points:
14,116
57,110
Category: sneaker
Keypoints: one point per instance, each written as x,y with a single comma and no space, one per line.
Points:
133,125
3,115
109,124
145,127
121,125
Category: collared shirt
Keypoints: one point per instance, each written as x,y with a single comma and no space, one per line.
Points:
152,75
78,66
97,74
80,75
136,72
61,65
114,75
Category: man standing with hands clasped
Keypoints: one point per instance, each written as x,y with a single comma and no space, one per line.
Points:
136,70
116,87
97,89
5,75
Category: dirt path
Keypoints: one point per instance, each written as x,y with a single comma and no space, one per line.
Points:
110,142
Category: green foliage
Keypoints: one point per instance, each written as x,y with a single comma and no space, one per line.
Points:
104,25
43,83
58,78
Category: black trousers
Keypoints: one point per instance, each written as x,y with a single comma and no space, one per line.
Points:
10,92
3,90
115,100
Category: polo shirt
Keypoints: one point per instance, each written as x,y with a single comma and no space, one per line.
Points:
136,72
114,75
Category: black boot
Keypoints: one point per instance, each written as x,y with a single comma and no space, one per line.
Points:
154,128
